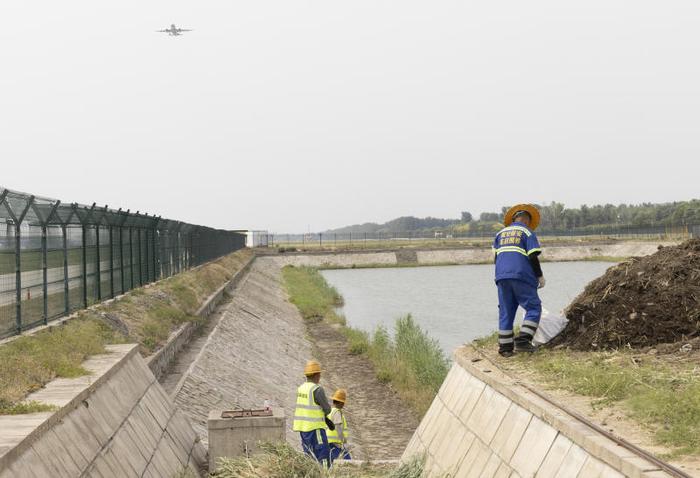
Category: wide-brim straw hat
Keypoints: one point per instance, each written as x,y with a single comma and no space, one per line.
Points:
528,208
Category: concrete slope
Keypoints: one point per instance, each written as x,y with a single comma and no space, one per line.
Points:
117,421
483,424
257,351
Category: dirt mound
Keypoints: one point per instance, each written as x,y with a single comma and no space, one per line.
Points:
641,302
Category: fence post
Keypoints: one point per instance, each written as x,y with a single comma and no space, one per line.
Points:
84,253
98,270
18,280
45,276
111,261
138,238
146,257
320,239
66,285
131,257
18,263
121,257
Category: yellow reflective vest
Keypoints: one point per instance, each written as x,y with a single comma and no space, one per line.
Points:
308,415
333,435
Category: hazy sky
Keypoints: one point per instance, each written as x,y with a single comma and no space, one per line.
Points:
294,115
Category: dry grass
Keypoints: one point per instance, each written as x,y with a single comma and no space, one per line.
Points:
147,315
26,364
279,460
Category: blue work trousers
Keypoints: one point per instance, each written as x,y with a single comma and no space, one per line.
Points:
315,443
511,294
339,451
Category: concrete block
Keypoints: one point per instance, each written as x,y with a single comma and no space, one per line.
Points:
29,464
451,437
573,462
503,471
636,466
446,389
459,385
491,467
233,437
488,414
510,433
535,444
473,390
554,459
123,447
474,461
592,468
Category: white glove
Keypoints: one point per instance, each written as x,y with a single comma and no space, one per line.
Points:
541,282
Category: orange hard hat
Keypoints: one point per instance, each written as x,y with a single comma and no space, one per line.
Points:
339,395
312,367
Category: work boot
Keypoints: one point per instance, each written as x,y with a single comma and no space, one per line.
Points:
521,347
505,353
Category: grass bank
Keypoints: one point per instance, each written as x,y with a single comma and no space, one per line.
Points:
660,393
411,361
281,461
147,316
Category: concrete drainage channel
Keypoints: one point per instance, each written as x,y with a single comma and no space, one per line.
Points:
120,421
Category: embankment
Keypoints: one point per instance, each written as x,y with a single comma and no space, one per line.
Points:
258,350
484,424
116,421
473,255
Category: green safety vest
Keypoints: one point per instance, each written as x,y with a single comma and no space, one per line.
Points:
333,434
308,415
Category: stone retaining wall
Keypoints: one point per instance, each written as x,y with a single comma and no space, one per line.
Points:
483,424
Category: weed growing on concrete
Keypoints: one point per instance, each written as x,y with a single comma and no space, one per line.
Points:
24,408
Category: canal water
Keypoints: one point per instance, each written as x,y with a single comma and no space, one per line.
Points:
454,304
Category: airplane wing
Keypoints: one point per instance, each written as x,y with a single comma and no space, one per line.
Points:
161,31
183,30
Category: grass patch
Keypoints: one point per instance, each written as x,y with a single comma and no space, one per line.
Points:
411,361
145,315
24,408
279,460
310,292
662,396
28,363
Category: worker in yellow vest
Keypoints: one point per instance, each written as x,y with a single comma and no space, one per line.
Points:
338,438
310,415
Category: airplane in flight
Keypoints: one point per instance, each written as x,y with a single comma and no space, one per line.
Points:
173,31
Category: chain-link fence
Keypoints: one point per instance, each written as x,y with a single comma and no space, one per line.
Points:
381,239
56,258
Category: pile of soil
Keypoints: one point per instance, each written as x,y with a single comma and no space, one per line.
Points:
639,303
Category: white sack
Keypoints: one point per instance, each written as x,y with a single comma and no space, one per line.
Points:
550,326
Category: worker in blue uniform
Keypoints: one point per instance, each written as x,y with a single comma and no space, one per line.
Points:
518,276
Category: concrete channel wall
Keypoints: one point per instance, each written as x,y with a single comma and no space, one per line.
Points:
115,422
483,424
474,255
161,360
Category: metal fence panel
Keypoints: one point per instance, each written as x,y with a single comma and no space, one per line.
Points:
56,258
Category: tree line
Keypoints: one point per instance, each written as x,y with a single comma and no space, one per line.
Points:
555,216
